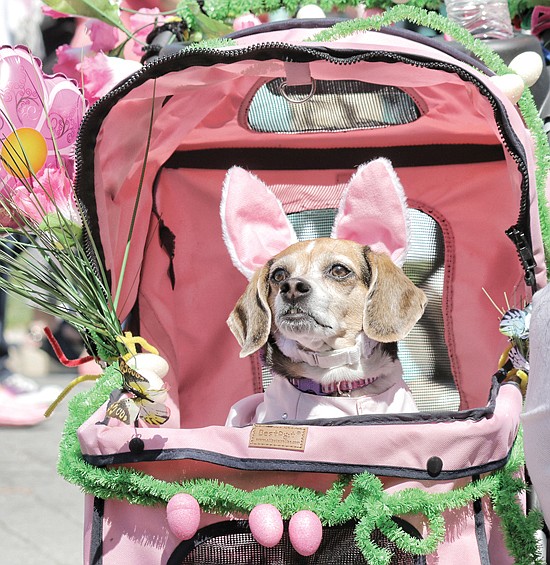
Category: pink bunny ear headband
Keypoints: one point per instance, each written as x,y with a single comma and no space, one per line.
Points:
372,211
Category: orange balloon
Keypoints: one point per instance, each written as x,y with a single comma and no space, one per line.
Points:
24,152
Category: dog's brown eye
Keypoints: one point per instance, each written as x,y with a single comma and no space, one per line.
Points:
339,271
279,275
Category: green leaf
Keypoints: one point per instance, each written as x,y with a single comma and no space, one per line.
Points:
66,232
210,27
100,9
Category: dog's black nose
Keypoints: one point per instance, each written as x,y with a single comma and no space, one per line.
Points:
294,289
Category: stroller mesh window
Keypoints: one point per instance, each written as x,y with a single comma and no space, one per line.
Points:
232,544
313,223
423,353
332,105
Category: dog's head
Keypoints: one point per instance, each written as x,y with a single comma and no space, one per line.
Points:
321,292
326,291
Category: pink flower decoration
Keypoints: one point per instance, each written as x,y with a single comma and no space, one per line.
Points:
142,24
104,36
245,21
101,73
68,58
52,193
55,14
6,221
50,104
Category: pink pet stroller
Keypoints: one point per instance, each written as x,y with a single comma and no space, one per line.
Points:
301,108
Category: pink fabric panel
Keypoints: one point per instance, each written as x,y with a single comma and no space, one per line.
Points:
188,202
88,517
536,234
117,185
458,443
188,323
135,534
140,535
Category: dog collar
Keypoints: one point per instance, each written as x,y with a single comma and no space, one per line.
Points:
330,359
337,357
313,387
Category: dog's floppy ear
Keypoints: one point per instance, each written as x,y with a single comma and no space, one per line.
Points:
254,224
250,320
394,304
373,210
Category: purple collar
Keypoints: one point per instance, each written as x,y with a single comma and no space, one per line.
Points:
310,386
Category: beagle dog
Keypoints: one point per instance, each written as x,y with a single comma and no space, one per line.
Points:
326,312
331,312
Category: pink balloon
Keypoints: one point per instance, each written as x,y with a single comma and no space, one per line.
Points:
184,514
306,532
266,525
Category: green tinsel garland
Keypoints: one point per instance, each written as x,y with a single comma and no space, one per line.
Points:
230,9
367,502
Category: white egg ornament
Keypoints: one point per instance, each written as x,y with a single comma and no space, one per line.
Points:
149,361
183,514
266,525
310,11
306,532
512,86
528,66
155,384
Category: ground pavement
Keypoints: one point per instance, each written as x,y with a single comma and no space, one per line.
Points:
41,515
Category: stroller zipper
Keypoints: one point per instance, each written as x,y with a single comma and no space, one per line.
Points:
197,56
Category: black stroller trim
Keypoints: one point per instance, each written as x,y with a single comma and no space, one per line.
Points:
290,159
481,534
252,464
96,539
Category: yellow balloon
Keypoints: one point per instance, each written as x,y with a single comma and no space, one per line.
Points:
24,152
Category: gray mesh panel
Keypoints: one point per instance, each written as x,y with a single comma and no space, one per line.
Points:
335,105
423,353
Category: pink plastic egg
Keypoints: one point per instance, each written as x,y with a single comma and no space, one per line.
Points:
184,514
266,525
306,532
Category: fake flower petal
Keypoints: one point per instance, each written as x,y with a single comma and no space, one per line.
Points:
245,21
54,14
104,37
52,193
68,58
29,98
101,73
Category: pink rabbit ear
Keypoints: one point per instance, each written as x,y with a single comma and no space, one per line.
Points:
373,210
254,224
